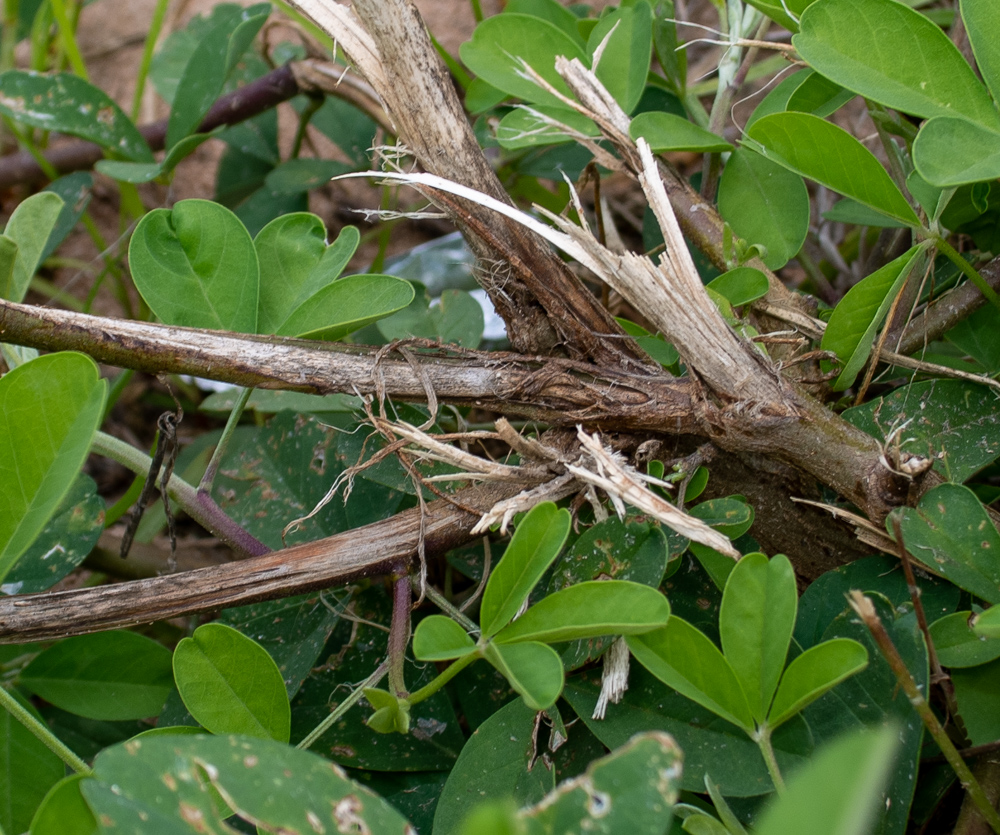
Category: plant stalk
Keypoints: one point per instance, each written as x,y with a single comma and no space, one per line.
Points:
43,733
353,698
198,506
866,611
399,631
763,740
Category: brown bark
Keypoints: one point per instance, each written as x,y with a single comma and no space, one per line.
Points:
336,560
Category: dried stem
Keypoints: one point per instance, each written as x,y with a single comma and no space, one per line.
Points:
866,610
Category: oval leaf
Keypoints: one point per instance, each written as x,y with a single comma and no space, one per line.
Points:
589,610
159,786
821,151
894,55
669,132
29,227
64,811
196,266
531,125
438,638
347,305
740,286
532,669
682,657
959,644
755,624
50,409
108,675
624,62
818,669
951,533
851,331
296,263
500,43
536,543
766,204
987,624
953,152
982,22
230,684
66,103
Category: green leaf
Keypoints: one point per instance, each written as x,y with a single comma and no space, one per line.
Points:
64,811
731,516
838,792
63,543
826,597
29,228
438,638
977,690
851,330
347,305
160,787
818,95
781,12
29,770
893,55
535,545
458,318
683,658
953,419
532,669
493,766
295,176
293,630
75,190
872,697
960,641
951,533
673,61
290,464
213,59
500,41
624,64
532,125
982,21
296,263
589,610
195,266
50,408
851,211
145,172
828,154
230,684
756,622
987,624
66,103
766,204
656,346
637,786
712,746
818,669
669,132
108,675
740,286
952,152
549,10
